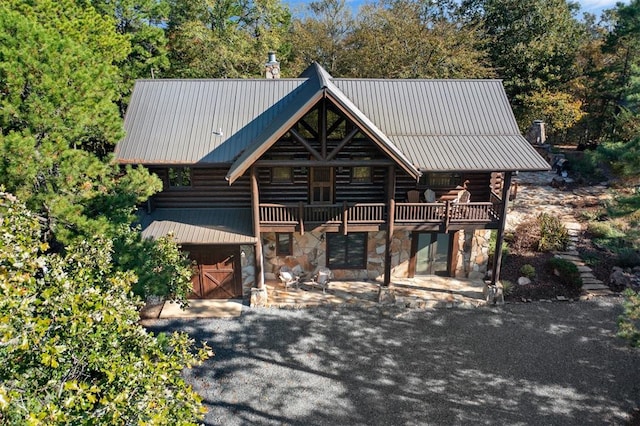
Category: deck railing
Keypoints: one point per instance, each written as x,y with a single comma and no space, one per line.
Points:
376,213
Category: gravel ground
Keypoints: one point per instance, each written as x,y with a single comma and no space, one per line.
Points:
520,364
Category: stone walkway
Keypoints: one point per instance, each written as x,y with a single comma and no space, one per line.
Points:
535,196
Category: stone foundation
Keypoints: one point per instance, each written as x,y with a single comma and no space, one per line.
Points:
247,261
310,253
259,297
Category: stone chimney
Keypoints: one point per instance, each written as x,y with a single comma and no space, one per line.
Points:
537,135
272,67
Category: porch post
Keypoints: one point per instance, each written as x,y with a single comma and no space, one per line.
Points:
255,205
497,256
391,190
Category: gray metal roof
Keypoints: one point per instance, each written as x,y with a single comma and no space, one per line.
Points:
173,121
445,125
318,85
200,226
432,125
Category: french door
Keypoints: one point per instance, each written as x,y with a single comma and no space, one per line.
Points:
432,254
321,185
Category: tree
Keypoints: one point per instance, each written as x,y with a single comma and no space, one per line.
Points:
140,21
532,45
321,36
414,39
59,119
560,111
72,349
230,38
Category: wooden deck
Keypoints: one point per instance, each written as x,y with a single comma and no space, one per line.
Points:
362,216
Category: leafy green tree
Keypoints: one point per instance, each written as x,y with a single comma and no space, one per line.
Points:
140,21
532,45
70,343
414,39
161,267
321,36
560,111
59,121
227,38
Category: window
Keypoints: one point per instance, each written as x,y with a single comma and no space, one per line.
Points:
347,251
179,177
284,244
281,175
440,180
361,174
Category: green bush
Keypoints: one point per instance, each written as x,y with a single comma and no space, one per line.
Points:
628,258
507,287
567,272
553,234
528,271
604,230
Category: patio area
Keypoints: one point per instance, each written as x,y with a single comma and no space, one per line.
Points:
420,293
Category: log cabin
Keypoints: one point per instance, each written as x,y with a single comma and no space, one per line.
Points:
375,179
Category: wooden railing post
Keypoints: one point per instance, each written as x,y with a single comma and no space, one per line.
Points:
301,217
345,218
447,215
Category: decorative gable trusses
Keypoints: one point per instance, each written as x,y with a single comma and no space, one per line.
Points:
317,86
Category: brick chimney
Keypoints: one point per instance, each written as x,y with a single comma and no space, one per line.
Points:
272,67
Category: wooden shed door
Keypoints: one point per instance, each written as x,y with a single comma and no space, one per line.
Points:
218,272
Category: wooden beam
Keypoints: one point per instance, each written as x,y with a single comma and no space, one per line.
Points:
391,190
322,163
304,143
310,129
345,218
322,127
497,256
335,125
342,143
255,206
301,217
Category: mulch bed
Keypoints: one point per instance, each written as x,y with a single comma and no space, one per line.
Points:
545,285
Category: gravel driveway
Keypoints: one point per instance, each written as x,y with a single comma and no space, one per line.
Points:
529,364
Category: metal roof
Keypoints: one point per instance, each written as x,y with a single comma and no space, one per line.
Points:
432,125
445,125
199,121
200,226
318,85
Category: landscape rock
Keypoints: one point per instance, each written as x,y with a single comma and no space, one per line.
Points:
524,281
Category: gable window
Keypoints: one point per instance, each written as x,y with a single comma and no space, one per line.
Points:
347,251
281,175
179,177
361,174
284,244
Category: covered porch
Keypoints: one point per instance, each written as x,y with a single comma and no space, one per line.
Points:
419,293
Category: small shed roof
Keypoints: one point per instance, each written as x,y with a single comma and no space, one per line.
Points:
200,226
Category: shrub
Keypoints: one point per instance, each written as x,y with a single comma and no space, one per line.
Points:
628,258
553,234
526,236
604,230
507,287
528,271
567,272
629,321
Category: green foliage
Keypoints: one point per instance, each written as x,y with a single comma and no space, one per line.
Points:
507,287
628,257
528,271
559,110
553,234
225,39
567,272
414,39
629,321
59,118
70,343
162,269
604,230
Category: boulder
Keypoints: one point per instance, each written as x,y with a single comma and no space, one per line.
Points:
524,281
